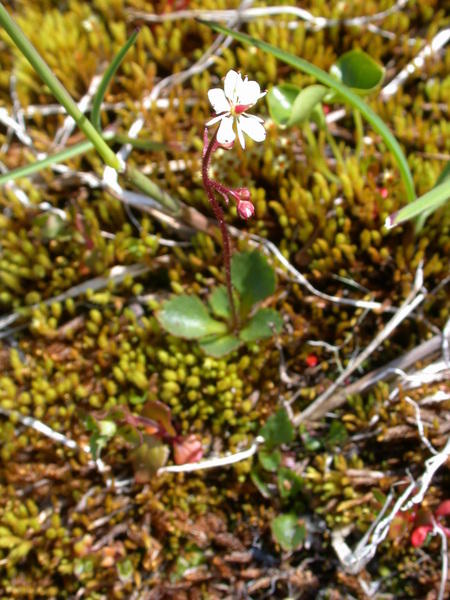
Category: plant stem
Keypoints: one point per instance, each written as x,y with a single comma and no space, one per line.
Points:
146,185
359,132
48,161
218,212
334,147
320,164
57,89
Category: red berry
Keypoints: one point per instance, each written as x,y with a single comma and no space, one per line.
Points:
312,360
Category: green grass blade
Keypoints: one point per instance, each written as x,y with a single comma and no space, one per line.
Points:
106,79
57,88
428,202
48,161
352,98
140,144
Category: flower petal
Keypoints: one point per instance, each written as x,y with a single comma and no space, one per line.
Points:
218,100
252,127
225,133
248,92
232,81
240,134
214,120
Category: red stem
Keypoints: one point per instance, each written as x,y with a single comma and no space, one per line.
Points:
209,186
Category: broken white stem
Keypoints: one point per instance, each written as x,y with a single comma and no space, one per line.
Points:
420,427
213,463
438,42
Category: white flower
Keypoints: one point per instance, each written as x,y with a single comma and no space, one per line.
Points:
230,106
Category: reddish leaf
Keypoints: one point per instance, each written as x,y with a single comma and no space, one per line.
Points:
159,412
443,509
419,535
187,450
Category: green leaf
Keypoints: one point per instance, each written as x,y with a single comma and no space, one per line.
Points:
262,325
193,557
56,87
139,143
262,486
288,531
253,278
444,174
219,346
289,483
278,429
280,100
430,201
305,103
106,79
351,97
96,444
289,105
269,460
51,226
219,303
358,71
318,117
337,434
187,317
108,428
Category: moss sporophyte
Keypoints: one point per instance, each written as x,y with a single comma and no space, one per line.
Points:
230,105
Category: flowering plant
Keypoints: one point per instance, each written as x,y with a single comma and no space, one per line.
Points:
249,278
230,105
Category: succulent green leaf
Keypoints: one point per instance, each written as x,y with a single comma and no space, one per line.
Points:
253,278
359,71
219,303
219,346
269,460
288,531
262,325
186,316
278,429
280,100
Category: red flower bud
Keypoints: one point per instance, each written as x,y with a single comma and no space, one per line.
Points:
243,193
245,209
